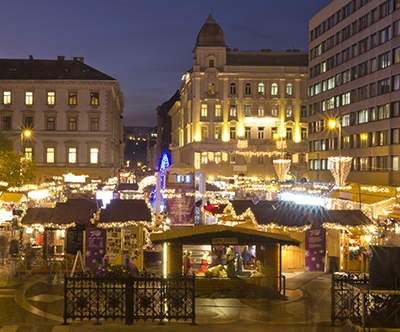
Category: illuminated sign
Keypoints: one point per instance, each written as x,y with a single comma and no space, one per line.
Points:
74,178
224,240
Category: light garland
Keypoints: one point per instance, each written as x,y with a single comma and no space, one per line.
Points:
242,144
224,156
197,160
147,181
340,168
210,156
281,145
282,167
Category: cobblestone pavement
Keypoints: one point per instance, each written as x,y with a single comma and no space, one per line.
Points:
35,304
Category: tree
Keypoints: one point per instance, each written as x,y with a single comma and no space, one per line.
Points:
14,169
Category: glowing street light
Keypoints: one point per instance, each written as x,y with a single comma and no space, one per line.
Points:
24,134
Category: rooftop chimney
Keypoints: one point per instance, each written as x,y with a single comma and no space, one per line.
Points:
60,57
31,57
81,59
75,58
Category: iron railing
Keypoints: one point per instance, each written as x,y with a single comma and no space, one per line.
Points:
354,300
122,296
340,293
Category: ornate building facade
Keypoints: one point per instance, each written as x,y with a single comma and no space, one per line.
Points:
233,102
72,111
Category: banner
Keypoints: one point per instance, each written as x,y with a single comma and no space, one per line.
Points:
180,210
315,247
95,247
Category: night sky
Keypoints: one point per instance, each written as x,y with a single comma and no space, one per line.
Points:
147,45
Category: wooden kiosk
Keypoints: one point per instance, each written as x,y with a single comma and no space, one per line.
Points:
268,251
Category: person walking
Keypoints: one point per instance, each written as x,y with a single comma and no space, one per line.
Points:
3,248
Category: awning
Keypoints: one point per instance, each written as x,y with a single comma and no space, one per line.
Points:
13,198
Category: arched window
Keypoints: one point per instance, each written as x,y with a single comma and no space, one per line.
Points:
247,89
233,89
261,88
274,89
211,89
289,89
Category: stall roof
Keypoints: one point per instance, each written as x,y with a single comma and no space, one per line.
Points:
121,210
13,198
205,234
370,194
343,217
73,211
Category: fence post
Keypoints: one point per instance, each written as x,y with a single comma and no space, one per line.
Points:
163,283
333,299
65,315
129,300
194,300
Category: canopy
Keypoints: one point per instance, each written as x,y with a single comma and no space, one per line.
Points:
13,198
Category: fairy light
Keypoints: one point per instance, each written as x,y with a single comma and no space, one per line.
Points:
147,181
295,158
210,156
282,167
242,144
224,156
340,168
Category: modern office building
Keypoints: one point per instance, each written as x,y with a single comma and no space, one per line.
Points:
73,111
354,55
231,104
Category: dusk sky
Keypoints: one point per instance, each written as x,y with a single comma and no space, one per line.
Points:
147,45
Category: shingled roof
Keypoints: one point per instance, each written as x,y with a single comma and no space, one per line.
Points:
30,69
289,59
125,210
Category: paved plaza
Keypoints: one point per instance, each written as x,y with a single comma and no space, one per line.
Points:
35,304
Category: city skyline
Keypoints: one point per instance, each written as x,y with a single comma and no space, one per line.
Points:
147,46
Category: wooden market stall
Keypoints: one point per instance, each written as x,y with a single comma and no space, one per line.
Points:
267,245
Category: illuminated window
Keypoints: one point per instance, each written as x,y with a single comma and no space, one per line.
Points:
51,123
274,89
289,89
6,97
28,98
289,111
204,110
247,89
204,157
50,155
204,132
218,132
260,111
94,124
28,153
94,155
232,157
232,111
73,98
94,98
218,111
232,88
247,160
232,132
211,88
261,89
217,158
274,111
72,155
303,133
51,98
247,110
72,124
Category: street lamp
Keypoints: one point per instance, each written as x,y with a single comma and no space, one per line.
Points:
24,133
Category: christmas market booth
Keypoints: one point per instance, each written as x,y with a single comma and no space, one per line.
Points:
125,225
231,272
330,239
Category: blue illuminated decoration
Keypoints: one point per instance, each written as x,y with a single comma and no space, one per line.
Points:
164,164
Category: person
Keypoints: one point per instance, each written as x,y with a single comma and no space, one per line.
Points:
188,264
239,266
29,256
230,263
14,249
247,256
204,263
3,248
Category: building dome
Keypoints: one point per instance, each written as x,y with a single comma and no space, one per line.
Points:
210,34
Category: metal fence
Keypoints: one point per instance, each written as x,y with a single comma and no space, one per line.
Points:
121,296
340,293
353,299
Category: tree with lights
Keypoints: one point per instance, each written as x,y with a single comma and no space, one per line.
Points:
14,169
